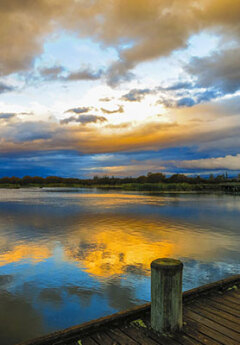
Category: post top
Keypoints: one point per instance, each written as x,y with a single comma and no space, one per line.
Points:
167,264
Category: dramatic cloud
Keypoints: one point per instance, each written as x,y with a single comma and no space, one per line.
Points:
79,110
179,86
119,72
127,137
5,88
220,71
56,44
23,132
136,95
207,95
84,74
189,95
185,102
23,26
84,119
62,74
119,110
52,73
153,27
228,162
7,116
126,165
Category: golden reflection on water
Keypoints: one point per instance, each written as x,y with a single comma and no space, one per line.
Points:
34,252
50,239
116,244
114,253
108,243
111,249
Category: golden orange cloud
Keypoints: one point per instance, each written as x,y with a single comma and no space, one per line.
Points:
178,127
157,26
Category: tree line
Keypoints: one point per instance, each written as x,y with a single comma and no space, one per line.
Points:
106,180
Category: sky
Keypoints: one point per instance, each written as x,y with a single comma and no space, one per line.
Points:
123,87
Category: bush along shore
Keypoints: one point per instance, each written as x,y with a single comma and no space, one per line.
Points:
151,182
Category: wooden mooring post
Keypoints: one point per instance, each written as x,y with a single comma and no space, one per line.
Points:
166,295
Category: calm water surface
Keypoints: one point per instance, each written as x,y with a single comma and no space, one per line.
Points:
69,256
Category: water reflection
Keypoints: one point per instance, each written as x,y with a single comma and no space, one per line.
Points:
20,252
70,256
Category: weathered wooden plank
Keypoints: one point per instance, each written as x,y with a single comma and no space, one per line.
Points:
212,324
138,335
223,307
103,338
163,340
211,333
224,301
86,341
123,339
218,319
191,331
232,298
184,339
236,293
225,316
180,339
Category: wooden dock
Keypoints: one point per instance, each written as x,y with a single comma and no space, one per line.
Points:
211,316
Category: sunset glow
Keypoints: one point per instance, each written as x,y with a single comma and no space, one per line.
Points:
144,85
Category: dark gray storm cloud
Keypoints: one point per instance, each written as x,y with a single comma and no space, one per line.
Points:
136,95
179,86
62,74
185,102
6,88
84,74
30,131
119,72
207,95
21,132
79,110
7,116
83,119
220,71
52,73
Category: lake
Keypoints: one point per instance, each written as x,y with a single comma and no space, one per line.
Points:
72,255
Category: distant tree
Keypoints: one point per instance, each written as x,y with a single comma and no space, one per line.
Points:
178,178
220,178
53,179
155,178
211,178
142,179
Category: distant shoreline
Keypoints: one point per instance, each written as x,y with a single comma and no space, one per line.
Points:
148,187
